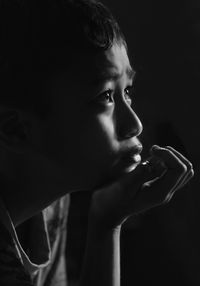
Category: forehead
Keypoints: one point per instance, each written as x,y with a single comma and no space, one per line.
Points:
88,71
115,57
114,61
92,67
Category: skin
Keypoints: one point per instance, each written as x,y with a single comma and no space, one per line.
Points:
83,145
100,130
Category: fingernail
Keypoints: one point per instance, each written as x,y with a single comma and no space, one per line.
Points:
155,147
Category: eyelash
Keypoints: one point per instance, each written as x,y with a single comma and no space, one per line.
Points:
127,95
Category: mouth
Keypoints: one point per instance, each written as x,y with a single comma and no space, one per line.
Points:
129,160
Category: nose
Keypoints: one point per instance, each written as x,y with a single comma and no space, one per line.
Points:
128,123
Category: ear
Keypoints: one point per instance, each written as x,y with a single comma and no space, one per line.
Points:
14,130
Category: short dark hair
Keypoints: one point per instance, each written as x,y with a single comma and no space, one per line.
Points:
32,33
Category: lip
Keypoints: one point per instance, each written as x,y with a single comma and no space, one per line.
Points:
131,158
131,152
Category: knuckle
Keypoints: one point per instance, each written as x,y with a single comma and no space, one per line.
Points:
192,172
168,147
167,151
166,199
190,166
162,200
182,168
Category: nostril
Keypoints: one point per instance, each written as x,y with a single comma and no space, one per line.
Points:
133,132
129,131
130,134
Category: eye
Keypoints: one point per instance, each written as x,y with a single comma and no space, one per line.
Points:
128,94
105,97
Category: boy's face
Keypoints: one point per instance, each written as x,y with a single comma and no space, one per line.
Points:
91,135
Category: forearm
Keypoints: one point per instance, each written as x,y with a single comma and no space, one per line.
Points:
102,258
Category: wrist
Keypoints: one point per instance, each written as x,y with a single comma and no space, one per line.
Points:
99,228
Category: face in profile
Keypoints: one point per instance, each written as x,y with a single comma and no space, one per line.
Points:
92,133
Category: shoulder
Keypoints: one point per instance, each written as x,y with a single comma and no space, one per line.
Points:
12,271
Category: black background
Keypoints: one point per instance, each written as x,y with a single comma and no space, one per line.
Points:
162,246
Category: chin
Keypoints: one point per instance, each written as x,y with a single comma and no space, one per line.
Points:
130,168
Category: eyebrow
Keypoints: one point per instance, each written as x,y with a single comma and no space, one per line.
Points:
130,73
108,75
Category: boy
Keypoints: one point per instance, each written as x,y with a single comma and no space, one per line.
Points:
68,124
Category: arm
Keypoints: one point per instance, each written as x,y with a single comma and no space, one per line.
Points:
112,205
102,259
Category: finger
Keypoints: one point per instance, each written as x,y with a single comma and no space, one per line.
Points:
189,177
156,166
190,172
156,192
141,174
160,190
172,162
181,157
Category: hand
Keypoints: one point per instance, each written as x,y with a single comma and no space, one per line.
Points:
150,184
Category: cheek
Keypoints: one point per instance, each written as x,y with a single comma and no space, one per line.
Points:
100,137
98,148
86,148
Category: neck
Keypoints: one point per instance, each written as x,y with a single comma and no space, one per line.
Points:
24,202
